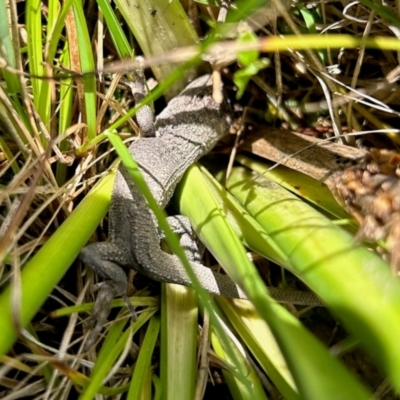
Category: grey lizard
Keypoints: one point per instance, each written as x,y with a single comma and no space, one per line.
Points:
188,128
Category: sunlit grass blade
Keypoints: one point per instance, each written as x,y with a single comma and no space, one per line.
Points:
40,88
257,336
55,31
52,14
248,230
236,388
35,45
179,315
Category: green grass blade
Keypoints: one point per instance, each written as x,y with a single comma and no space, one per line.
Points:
87,65
236,388
136,301
40,88
117,34
65,115
383,11
143,362
259,339
179,316
56,30
248,230
35,44
8,154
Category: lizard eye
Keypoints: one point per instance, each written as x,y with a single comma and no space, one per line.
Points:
200,95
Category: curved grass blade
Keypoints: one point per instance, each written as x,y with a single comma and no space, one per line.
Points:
353,281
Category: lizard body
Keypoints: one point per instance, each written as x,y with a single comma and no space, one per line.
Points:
188,128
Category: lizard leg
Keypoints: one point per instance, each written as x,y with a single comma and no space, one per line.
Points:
194,250
144,115
106,259
155,263
165,267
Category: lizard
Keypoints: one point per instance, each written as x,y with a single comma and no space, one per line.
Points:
188,128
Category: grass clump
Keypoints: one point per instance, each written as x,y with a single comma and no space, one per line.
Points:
323,69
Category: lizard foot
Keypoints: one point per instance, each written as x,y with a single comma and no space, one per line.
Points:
106,259
107,291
